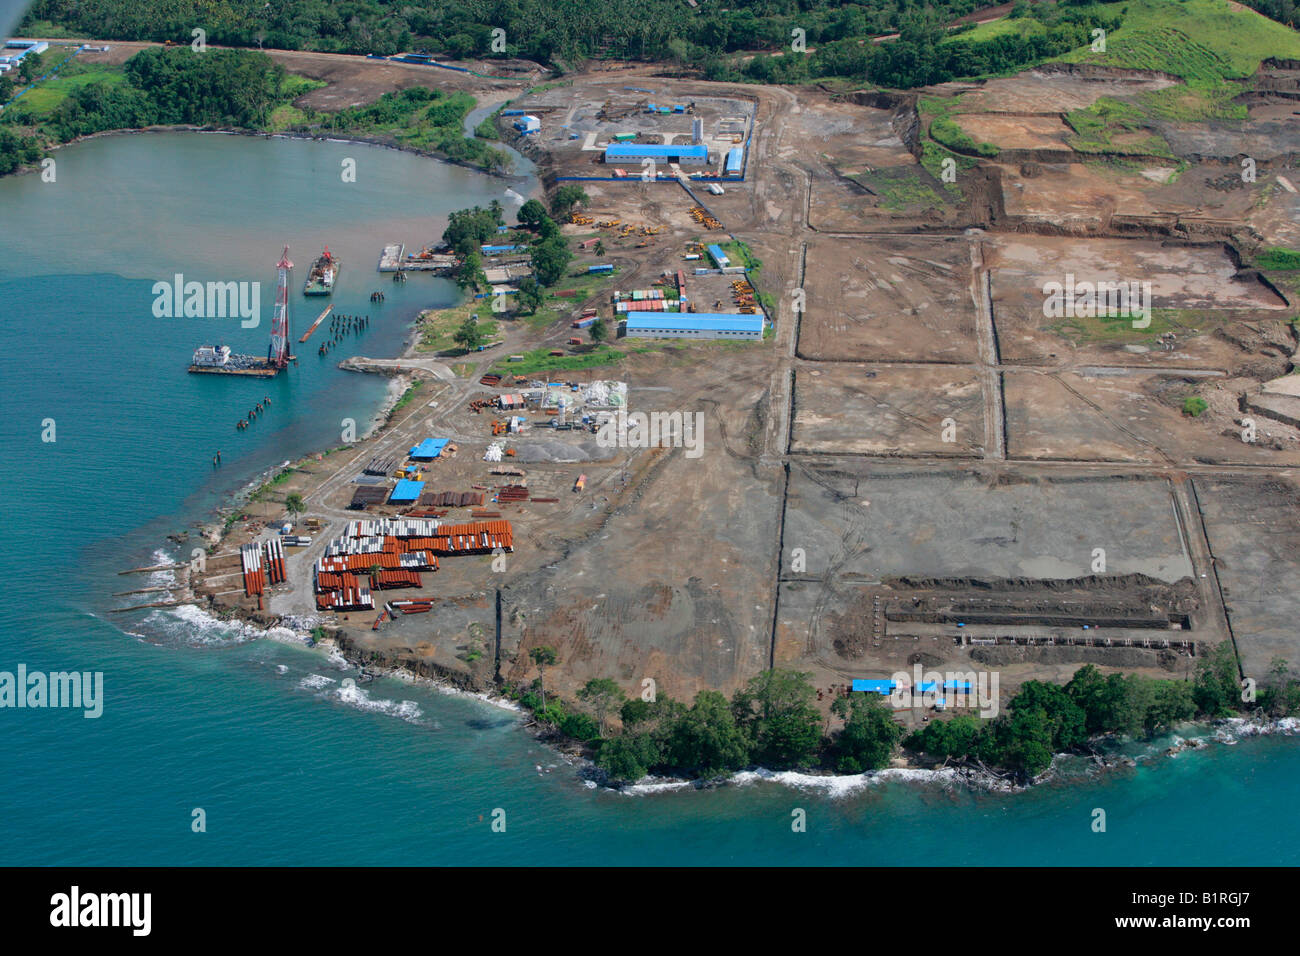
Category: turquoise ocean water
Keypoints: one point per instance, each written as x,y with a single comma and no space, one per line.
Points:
290,765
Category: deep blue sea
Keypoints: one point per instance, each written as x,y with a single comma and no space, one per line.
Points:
289,765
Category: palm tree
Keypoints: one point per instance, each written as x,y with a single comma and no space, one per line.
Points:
543,657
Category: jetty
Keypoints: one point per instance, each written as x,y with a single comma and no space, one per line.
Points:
319,319
142,607
154,567
156,588
394,259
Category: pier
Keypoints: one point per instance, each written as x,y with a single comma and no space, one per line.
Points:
394,259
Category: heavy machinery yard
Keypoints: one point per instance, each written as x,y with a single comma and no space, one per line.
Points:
916,462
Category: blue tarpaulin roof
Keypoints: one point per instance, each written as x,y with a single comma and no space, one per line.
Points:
874,686
429,448
956,685
735,159
406,490
704,321
654,151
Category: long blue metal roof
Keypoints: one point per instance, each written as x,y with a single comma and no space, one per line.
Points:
735,158
640,150
704,321
873,686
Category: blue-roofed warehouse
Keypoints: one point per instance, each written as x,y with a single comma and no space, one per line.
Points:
406,491
686,154
718,256
735,164
693,325
428,449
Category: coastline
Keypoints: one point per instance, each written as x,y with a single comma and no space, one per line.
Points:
1195,736
239,131
907,768
459,683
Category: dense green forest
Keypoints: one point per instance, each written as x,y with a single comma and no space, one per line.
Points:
1283,11
708,37
772,722
243,89
226,87
543,30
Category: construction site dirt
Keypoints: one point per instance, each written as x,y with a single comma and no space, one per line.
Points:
919,462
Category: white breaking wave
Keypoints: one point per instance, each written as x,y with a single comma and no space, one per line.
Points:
835,786
515,197
191,624
354,696
1234,728
165,578
650,785
451,691
844,785
316,681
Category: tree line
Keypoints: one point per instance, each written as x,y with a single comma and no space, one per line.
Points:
563,32
549,31
926,51
771,722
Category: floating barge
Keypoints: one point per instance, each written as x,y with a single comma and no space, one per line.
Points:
219,360
320,280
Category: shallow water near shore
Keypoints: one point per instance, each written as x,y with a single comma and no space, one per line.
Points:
290,764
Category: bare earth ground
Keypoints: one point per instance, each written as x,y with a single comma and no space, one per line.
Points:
906,301
827,526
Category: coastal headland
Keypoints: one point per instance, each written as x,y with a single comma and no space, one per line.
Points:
918,461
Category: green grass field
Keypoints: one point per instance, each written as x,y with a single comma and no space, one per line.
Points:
1278,259
741,255
1023,27
1206,42
1099,140
48,94
538,360
554,308
1118,329
437,325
